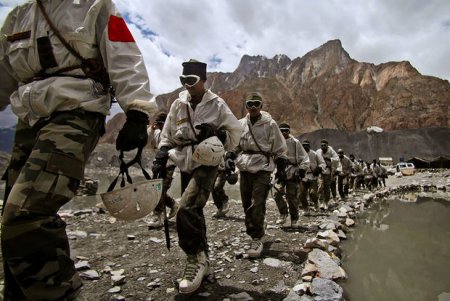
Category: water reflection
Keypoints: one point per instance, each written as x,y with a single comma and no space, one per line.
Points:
400,251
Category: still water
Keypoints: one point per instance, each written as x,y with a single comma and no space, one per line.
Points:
400,251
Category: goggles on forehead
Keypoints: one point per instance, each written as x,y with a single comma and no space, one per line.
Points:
189,80
253,103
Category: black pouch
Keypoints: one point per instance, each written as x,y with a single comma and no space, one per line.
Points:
94,68
45,51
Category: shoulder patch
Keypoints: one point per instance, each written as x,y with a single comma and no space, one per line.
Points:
118,30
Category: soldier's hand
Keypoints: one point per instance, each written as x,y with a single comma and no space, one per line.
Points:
207,130
134,132
159,169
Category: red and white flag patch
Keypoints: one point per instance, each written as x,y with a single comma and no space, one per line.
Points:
118,30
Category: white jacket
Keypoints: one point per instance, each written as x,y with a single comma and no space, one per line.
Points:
270,140
297,157
332,162
179,135
315,161
96,30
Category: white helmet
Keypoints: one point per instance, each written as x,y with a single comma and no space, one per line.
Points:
133,201
209,152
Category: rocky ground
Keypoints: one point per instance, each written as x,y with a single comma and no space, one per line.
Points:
127,261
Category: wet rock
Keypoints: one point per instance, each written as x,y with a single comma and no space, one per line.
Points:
326,290
341,234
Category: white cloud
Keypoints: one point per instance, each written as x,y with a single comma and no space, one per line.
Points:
373,31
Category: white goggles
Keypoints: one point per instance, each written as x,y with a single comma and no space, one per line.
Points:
189,80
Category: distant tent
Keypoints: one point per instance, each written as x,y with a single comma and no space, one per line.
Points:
440,162
420,162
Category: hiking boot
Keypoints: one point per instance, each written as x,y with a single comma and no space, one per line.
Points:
196,269
294,224
173,210
256,248
282,219
222,212
157,220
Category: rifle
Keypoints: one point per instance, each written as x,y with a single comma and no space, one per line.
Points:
166,221
272,183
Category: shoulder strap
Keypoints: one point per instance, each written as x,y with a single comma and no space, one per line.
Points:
57,33
190,120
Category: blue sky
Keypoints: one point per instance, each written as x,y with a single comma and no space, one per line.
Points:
220,32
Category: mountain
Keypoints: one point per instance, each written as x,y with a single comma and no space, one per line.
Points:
326,88
427,143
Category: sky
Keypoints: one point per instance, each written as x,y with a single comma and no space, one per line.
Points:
220,32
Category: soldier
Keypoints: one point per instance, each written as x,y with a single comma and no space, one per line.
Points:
58,86
308,185
368,173
197,120
383,175
325,181
261,148
297,164
154,134
344,170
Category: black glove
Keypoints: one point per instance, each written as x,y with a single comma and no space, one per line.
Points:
208,130
280,175
134,132
230,166
300,174
316,171
159,163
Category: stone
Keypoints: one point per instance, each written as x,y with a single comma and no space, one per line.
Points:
292,296
326,266
349,222
244,296
309,270
273,262
115,290
301,288
118,279
254,270
82,265
90,275
326,290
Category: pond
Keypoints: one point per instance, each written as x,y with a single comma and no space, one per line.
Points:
400,250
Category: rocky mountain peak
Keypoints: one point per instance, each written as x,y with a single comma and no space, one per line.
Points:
327,89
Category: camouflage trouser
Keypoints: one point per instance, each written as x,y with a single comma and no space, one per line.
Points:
292,189
324,187
343,184
169,201
218,194
46,167
309,187
254,191
191,226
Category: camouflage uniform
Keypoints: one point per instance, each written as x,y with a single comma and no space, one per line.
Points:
327,180
297,159
46,167
256,167
61,111
218,194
